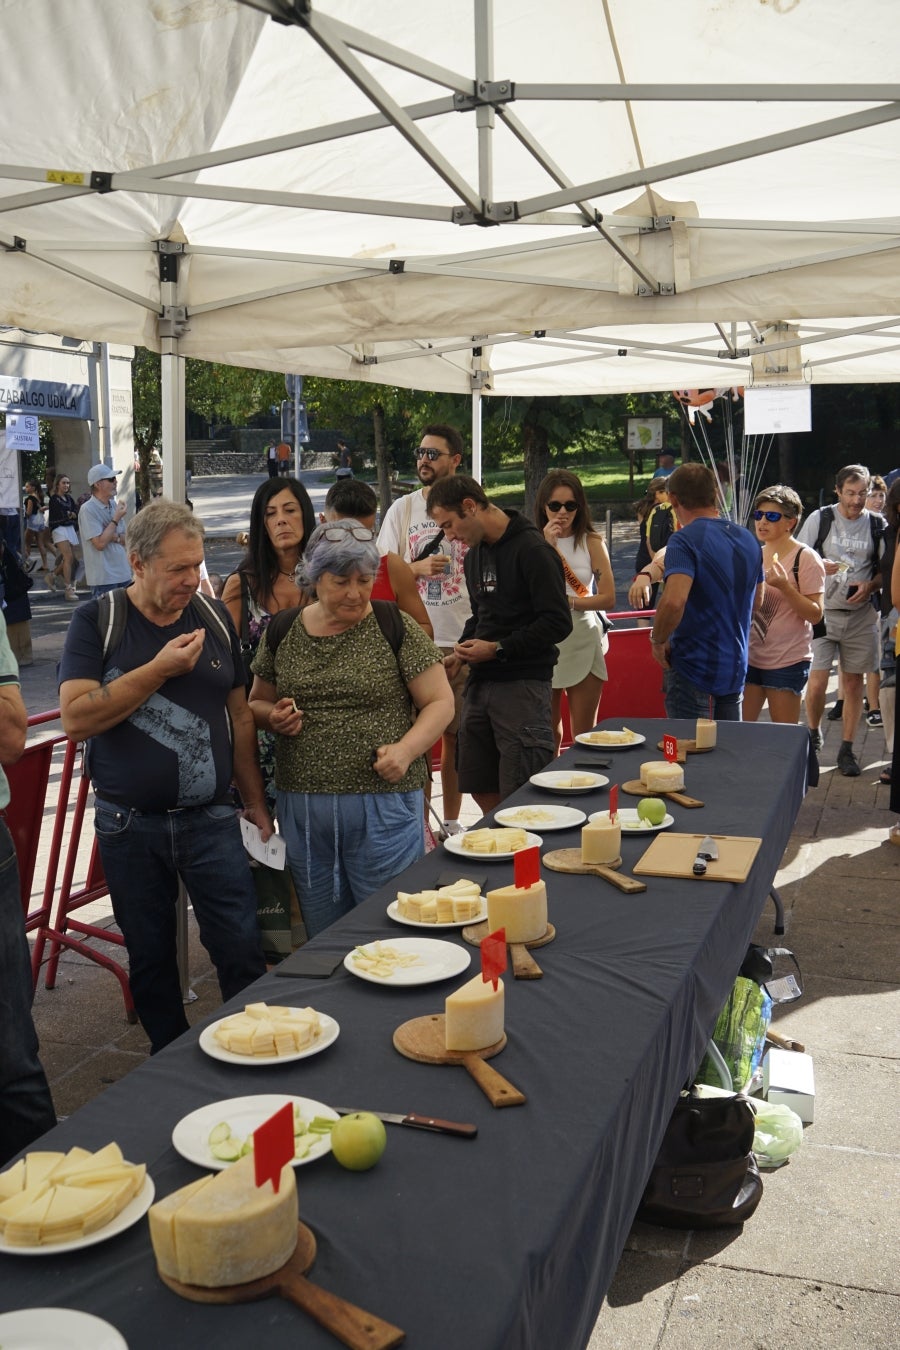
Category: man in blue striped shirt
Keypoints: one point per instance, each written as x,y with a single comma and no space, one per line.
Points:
714,581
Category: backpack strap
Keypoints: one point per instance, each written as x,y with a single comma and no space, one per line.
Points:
112,614
211,616
387,612
279,626
826,519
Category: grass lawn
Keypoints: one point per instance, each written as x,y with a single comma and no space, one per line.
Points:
606,481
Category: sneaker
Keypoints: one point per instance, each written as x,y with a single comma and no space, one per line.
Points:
71,593
30,564
816,739
50,581
836,713
873,718
453,827
894,835
847,762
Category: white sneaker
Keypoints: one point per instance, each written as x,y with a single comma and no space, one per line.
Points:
71,593
453,827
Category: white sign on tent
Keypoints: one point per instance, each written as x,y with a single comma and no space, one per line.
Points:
777,409
22,432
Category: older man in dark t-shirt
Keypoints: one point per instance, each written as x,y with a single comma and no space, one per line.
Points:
163,707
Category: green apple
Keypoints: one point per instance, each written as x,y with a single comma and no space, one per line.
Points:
652,809
358,1140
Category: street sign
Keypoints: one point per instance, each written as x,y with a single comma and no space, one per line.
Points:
293,385
287,422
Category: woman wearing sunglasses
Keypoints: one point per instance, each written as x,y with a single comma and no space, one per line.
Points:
349,767
561,511
781,629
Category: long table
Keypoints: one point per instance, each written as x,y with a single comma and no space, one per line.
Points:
508,1241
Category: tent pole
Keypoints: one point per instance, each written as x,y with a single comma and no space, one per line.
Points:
172,421
476,435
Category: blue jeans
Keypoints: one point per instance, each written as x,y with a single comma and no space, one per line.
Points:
143,855
684,699
26,1108
342,846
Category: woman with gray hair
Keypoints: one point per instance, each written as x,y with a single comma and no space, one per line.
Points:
349,767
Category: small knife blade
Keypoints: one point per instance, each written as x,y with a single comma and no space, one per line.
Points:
707,851
417,1122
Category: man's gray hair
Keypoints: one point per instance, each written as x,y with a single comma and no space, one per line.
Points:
342,554
149,527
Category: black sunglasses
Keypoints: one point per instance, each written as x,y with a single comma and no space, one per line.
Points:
422,453
562,506
772,517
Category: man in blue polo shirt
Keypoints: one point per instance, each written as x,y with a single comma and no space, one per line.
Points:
714,581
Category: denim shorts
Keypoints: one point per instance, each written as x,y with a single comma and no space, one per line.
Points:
784,677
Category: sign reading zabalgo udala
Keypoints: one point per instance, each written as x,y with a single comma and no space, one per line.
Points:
46,398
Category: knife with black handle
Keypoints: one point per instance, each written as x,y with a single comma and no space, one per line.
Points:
417,1122
707,852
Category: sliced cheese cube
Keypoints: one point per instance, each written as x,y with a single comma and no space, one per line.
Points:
474,1015
521,911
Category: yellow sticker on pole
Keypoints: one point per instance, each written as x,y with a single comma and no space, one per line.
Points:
65,176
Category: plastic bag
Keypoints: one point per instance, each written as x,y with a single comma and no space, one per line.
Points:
778,1133
739,1033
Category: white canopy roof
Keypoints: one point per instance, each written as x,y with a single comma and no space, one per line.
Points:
583,196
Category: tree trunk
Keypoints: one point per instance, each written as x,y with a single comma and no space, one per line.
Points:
381,459
536,455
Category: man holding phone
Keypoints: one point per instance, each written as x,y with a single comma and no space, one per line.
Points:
851,543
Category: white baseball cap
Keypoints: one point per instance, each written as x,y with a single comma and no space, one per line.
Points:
97,473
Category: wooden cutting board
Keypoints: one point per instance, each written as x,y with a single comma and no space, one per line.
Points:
635,788
423,1039
354,1326
687,747
672,855
524,966
569,860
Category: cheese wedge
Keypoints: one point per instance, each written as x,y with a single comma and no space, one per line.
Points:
658,775
461,887
473,1015
225,1230
494,840
521,911
13,1181
79,1194
253,1033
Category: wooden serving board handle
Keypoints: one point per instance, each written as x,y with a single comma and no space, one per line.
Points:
523,963
498,1090
682,799
354,1326
569,860
784,1042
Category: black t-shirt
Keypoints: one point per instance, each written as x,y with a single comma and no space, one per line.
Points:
176,749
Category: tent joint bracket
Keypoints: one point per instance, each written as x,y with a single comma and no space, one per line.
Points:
18,245
488,93
663,288
658,223
101,182
172,322
738,354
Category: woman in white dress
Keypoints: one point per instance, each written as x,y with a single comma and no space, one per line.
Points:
561,511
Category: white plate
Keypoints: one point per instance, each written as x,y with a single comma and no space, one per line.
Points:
556,780
209,1044
584,738
393,910
61,1328
244,1114
437,961
134,1210
560,817
629,814
454,845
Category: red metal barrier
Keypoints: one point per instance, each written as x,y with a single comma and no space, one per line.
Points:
51,920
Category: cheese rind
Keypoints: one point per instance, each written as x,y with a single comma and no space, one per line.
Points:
658,775
522,911
226,1230
473,1015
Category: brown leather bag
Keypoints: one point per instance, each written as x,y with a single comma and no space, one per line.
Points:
705,1174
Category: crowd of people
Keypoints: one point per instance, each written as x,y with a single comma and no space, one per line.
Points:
339,656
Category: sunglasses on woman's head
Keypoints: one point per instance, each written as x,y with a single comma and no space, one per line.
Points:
562,506
336,533
772,517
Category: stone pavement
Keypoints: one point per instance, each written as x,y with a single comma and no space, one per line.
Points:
817,1266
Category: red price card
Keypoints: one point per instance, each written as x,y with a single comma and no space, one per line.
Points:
613,801
670,748
273,1146
493,957
527,867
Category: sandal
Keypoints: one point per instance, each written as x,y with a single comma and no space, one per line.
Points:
885,777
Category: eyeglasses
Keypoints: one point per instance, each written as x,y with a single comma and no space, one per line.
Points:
772,517
562,506
337,533
422,453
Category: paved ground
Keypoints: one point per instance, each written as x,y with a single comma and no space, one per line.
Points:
817,1266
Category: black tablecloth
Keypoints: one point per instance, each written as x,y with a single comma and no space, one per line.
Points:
509,1240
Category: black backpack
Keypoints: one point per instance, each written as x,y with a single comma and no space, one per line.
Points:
386,612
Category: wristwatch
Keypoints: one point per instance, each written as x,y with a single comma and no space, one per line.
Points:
499,654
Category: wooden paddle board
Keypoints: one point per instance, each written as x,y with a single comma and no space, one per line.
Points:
524,966
687,747
672,855
569,860
352,1325
423,1039
635,788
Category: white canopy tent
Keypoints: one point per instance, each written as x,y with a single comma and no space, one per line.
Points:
496,196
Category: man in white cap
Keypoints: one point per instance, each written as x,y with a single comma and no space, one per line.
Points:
101,525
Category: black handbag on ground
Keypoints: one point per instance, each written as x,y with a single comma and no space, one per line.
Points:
705,1174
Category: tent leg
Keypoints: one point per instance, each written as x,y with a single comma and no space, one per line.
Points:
476,435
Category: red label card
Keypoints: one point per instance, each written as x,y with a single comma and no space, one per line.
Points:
273,1146
527,867
670,748
493,957
613,801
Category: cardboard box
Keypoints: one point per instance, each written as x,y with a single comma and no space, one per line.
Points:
788,1080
